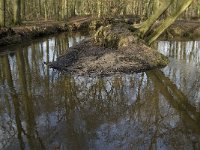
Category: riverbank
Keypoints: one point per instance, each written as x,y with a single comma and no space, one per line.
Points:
32,30
189,29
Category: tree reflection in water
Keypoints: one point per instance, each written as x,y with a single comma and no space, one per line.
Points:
42,109
184,68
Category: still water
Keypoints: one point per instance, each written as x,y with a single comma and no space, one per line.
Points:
43,109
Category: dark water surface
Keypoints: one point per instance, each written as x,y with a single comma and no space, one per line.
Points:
43,109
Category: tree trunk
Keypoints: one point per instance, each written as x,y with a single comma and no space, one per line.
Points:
160,6
63,12
45,10
40,7
23,5
73,8
17,11
183,5
2,13
99,4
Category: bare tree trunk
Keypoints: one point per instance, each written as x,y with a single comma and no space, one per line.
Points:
63,9
99,4
23,6
45,10
17,11
2,13
183,5
40,7
160,6
73,8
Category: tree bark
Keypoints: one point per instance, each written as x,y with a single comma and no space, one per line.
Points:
2,13
160,7
99,8
45,10
23,7
183,5
17,11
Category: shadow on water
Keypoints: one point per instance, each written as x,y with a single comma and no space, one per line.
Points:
42,109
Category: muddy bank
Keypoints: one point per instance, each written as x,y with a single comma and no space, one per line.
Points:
32,30
183,29
113,49
179,29
14,35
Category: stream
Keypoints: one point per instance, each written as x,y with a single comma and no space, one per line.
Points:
41,108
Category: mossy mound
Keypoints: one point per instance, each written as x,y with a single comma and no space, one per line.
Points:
113,49
114,36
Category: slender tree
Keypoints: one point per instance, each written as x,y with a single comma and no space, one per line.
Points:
160,6
23,8
45,10
151,10
2,12
17,11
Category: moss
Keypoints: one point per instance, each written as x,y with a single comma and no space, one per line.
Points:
106,38
114,36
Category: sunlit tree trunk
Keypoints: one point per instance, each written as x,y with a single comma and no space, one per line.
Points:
183,5
198,8
45,10
67,8
160,6
99,9
64,9
40,7
2,13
